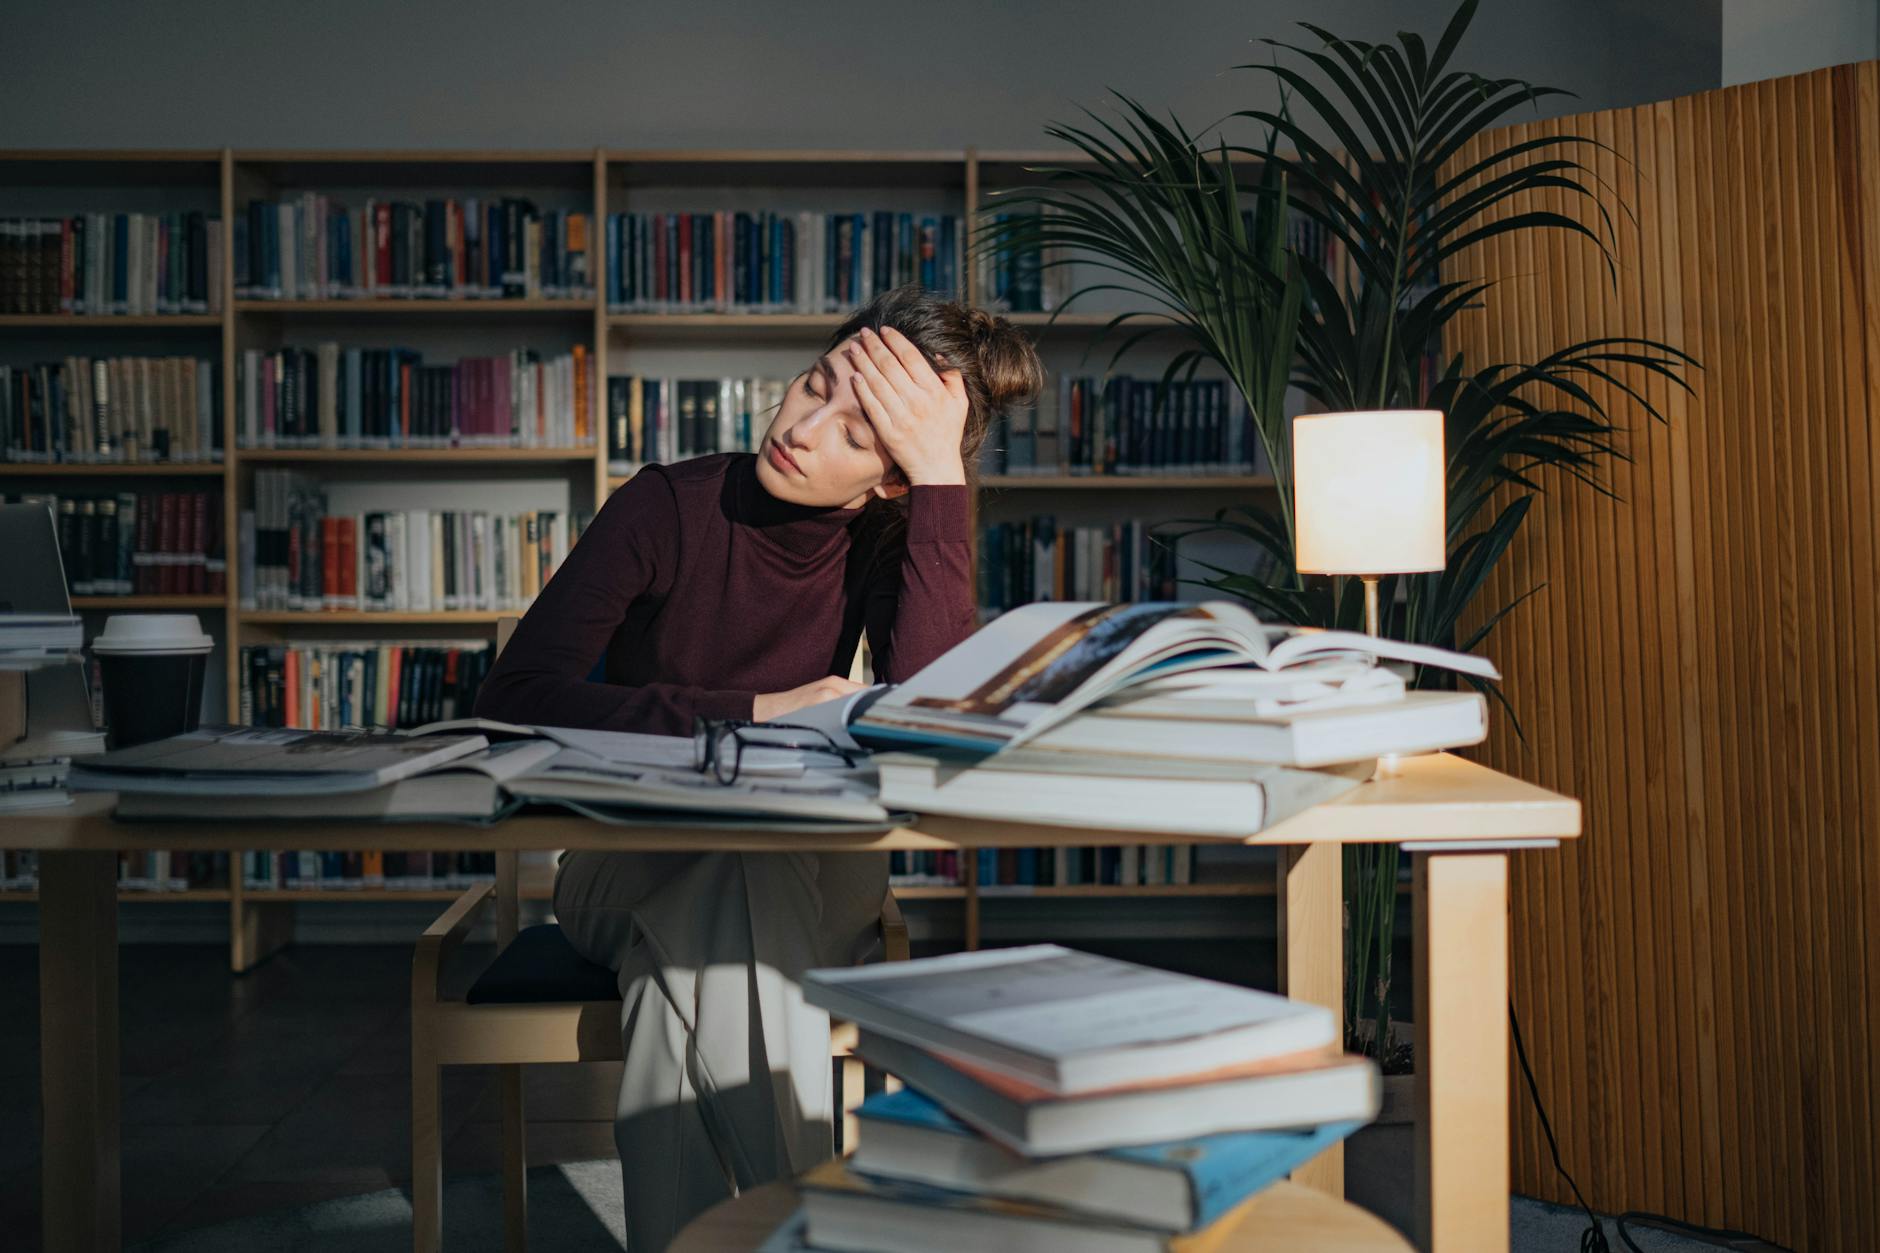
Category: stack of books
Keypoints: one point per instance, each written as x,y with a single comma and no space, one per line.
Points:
45,709
1061,1100
1157,716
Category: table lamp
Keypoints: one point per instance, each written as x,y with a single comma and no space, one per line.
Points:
1369,495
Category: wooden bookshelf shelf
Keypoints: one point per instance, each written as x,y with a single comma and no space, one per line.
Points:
1053,891
1248,887
533,883
188,896
148,602
416,306
409,456
1142,320
101,469
375,896
93,321
1129,482
351,617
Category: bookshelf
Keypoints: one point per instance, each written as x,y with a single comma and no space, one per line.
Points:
596,182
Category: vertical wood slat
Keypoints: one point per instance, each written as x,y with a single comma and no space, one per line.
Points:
1698,979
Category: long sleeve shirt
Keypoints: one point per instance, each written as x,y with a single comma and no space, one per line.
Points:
702,590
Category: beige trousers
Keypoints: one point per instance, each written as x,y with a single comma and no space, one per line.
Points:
727,1076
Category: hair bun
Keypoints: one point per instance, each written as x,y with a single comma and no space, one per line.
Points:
1007,361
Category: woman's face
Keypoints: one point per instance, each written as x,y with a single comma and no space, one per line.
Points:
820,448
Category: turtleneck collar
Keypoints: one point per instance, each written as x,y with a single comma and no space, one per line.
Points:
800,529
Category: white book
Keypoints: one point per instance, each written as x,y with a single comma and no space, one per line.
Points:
418,559
263,761
399,574
1419,722
435,563
483,573
1224,800
1305,1088
467,787
1067,1021
466,563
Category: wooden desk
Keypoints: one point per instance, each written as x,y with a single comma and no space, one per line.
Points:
1285,1219
1458,820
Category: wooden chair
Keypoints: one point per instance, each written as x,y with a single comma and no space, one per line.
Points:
539,1001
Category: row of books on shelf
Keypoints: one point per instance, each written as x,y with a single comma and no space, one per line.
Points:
111,410
266,870
1037,558
1060,1100
334,396
670,419
1018,278
295,555
111,263
316,247
139,870
1130,865
1124,425
733,261
360,683
139,543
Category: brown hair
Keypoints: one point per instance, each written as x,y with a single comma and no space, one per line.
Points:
996,360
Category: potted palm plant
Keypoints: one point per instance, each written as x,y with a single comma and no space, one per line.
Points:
1365,157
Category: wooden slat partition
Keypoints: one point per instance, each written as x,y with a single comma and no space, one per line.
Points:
1698,980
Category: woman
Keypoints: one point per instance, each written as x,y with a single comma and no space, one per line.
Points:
737,585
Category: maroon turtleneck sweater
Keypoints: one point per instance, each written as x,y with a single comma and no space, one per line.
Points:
703,590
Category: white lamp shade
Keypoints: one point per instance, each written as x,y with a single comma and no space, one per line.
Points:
1368,491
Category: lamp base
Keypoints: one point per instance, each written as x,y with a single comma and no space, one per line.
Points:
1370,604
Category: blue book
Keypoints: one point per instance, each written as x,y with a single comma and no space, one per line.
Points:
1180,1185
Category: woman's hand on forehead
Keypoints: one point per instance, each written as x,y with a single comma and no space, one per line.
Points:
918,414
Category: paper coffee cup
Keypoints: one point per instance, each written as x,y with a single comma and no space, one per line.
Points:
152,634
152,666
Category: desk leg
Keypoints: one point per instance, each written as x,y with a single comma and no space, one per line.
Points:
78,1051
1312,963
1461,974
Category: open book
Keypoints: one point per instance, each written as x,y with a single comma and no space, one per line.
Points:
452,769
1035,666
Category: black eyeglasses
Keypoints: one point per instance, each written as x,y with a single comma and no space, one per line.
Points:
718,744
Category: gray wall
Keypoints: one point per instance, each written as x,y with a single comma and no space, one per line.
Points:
495,73
1771,38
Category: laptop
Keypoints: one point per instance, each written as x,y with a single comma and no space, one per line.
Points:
32,580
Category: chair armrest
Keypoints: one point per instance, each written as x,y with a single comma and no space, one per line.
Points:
441,939
893,928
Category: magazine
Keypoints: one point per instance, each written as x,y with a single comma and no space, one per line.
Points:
1037,665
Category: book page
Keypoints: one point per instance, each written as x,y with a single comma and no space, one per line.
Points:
1055,1002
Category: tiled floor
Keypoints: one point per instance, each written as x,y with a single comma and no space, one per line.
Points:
290,1084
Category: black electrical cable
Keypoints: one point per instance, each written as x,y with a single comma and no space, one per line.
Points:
1593,1239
